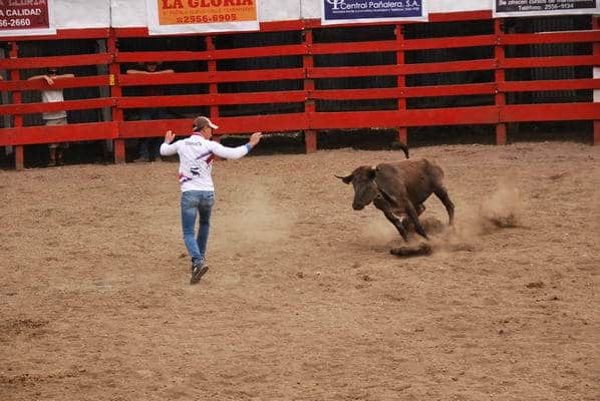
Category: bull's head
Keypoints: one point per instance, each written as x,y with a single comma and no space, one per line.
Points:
363,181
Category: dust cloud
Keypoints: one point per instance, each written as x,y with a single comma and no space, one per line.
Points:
256,219
503,208
378,231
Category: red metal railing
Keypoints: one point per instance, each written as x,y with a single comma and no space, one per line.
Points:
309,120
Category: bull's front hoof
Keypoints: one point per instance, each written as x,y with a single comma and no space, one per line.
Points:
423,249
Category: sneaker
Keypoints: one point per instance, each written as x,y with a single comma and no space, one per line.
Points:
197,273
140,160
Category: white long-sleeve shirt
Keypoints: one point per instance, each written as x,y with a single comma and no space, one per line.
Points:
196,156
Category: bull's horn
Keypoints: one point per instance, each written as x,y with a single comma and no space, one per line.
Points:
346,179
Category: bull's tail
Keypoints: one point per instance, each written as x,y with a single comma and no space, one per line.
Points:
399,145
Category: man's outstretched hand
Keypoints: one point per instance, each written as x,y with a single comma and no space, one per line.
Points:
169,136
255,138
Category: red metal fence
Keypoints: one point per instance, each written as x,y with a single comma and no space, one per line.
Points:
378,86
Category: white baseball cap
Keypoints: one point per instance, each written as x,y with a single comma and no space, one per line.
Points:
201,122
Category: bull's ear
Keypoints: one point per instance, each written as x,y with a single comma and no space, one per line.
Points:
346,179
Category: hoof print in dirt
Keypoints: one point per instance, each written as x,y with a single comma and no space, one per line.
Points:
405,251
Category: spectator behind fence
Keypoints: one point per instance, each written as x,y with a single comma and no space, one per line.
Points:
54,117
148,148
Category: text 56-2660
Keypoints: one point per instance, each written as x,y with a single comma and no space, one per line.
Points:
15,22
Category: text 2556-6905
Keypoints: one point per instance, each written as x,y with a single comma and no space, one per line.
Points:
194,19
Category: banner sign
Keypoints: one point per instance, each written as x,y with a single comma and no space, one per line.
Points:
503,8
25,17
200,16
356,11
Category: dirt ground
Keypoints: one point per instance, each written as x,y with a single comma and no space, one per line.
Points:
303,300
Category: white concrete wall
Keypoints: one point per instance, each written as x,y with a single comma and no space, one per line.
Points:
279,10
128,13
449,6
72,14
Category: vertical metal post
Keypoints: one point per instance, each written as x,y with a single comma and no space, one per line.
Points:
105,112
213,87
15,75
499,79
310,135
116,92
596,74
401,83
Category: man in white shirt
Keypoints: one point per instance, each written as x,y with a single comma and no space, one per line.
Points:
54,117
196,157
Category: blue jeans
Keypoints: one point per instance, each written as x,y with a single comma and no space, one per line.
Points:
194,203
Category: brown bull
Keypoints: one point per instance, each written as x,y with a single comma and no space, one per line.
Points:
399,189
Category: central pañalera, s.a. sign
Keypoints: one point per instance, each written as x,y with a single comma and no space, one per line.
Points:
352,11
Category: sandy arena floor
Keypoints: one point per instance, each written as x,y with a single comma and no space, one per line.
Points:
303,300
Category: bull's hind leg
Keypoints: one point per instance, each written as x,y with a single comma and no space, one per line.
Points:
442,195
414,217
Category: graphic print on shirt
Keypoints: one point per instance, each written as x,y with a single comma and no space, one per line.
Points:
209,159
206,157
182,178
